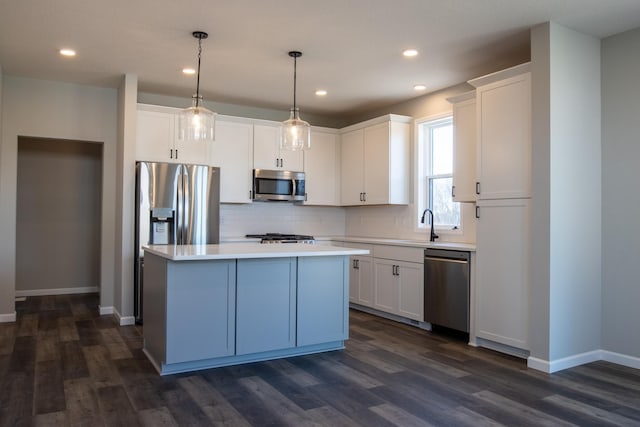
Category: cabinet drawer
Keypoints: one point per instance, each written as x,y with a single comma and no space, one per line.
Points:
401,253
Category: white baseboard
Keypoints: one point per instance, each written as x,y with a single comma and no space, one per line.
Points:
581,359
124,320
105,310
7,318
564,363
621,359
58,291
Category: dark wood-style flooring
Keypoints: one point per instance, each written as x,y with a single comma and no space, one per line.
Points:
62,364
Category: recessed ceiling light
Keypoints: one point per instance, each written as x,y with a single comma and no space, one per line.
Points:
188,71
67,52
321,92
409,53
419,87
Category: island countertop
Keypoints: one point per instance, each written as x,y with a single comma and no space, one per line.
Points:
247,250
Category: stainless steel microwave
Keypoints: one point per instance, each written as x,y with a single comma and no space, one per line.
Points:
278,185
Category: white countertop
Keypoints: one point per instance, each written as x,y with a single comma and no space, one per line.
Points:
247,250
469,247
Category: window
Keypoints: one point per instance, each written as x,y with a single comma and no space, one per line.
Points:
435,172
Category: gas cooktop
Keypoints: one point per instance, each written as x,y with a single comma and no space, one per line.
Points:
282,238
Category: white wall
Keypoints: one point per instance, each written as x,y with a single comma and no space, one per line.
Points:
620,195
54,110
566,204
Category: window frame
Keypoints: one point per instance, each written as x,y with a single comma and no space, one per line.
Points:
421,179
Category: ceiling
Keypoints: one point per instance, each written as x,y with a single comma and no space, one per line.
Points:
351,48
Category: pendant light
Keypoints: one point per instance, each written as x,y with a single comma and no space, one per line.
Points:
296,133
197,123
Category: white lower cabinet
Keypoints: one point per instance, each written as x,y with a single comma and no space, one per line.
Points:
361,277
503,271
392,280
399,288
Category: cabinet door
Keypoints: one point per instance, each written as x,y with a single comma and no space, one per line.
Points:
155,134
376,164
361,281
322,170
410,277
464,148
292,160
322,314
200,310
266,140
386,292
502,272
192,152
265,305
266,150
232,152
504,138
352,168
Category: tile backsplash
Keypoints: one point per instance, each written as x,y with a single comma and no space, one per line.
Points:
258,218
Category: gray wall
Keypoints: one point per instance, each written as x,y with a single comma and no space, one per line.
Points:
620,195
566,261
59,191
46,109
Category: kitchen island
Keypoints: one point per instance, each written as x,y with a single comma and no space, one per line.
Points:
217,305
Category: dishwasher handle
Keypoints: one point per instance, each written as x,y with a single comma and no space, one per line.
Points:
442,259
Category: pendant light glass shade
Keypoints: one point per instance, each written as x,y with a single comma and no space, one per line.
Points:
197,123
295,132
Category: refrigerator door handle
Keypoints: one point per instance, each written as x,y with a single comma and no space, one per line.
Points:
180,206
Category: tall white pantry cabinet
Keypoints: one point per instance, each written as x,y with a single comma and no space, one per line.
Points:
503,192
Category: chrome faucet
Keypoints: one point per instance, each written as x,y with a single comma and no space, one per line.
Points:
432,235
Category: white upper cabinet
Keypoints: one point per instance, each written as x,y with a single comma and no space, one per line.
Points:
375,162
267,153
464,147
232,152
504,134
157,138
322,168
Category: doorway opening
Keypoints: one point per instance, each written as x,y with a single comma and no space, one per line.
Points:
58,216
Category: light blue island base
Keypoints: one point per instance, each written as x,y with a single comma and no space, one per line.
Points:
176,368
207,312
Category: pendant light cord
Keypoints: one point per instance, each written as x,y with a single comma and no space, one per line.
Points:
295,67
198,78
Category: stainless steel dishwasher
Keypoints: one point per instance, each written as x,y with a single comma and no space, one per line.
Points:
446,288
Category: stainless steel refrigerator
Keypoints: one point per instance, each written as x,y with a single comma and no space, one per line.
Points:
175,204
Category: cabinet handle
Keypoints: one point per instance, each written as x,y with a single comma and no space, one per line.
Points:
477,212
305,196
176,154
453,191
364,197
171,153
477,187
356,264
